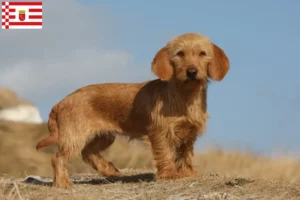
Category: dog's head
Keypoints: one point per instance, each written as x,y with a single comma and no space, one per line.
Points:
190,57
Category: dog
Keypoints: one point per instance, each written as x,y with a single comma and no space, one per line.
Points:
169,112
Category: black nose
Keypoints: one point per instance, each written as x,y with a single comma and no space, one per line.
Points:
191,73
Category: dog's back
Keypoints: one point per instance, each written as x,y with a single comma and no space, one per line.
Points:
109,107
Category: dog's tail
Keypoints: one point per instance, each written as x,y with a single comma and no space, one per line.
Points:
53,129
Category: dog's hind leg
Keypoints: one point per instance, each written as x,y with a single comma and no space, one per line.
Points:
69,147
91,154
60,173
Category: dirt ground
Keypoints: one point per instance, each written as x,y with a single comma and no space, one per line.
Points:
224,175
141,185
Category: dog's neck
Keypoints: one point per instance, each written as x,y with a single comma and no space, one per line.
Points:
191,92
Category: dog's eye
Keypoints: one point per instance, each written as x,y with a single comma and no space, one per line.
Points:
180,53
202,53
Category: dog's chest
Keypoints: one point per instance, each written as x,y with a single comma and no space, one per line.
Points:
191,124
197,120
186,129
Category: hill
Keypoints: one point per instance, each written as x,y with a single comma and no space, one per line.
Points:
14,108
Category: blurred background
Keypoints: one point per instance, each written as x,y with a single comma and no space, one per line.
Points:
254,109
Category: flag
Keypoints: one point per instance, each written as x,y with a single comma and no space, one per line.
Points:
22,15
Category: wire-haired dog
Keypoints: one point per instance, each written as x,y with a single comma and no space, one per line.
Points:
169,111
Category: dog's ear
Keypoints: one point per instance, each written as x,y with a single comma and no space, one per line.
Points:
161,65
219,65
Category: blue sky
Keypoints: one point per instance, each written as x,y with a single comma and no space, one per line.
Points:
257,105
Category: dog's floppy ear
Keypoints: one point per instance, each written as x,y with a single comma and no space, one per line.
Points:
219,65
161,65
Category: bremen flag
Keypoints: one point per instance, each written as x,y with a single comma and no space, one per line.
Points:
22,15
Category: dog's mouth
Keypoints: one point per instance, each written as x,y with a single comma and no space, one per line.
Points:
192,80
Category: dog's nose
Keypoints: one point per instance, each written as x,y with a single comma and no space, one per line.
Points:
191,72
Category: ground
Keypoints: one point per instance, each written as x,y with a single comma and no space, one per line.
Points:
141,185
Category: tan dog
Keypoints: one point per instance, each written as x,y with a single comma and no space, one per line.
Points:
170,111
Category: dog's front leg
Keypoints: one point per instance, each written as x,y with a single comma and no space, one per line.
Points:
164,154
184,155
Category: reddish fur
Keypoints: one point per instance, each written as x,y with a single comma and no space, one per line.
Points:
53,129
167,114
217,70
161,65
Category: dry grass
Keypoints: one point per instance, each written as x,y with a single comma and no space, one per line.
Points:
224,174
248,165
144,187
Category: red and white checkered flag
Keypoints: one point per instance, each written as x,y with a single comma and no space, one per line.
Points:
22,15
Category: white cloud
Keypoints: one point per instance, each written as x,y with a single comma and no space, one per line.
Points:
37,77
72,50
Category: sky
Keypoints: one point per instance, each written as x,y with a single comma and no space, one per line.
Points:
257,105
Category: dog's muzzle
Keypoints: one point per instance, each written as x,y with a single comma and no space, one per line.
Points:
191,73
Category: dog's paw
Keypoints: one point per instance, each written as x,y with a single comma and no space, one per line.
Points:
190,173
63,184
111,173
169,175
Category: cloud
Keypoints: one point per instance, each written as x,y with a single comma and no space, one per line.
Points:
72,50
36,78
